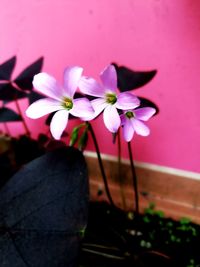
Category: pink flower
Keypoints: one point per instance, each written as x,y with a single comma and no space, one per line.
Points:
59,99
132,121
108,99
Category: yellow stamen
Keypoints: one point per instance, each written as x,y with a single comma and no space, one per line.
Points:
111,98
67,103
130,114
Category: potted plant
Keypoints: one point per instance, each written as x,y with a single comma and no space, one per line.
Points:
113,236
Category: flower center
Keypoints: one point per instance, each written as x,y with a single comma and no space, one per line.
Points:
67,103
111,98
130,114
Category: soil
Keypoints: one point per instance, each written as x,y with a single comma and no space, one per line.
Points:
116,238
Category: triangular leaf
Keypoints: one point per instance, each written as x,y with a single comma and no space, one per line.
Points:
7,114
49,118
9,93
25,78
6,68
34,96
44,210
128,79
148,103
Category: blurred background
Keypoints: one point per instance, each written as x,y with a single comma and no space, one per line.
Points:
140,34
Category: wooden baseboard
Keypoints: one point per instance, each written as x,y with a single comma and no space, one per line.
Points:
175,192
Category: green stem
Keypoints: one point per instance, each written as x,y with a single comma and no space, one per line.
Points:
100,163
135,182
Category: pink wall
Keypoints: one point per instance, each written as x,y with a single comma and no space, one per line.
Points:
141,34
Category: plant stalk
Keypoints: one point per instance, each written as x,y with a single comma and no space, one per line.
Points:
23,121
135,182
119,169
100,163
7,129
19,110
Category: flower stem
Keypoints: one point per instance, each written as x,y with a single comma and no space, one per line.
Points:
23,121
119,169
100,163
7,129
19,110
135,182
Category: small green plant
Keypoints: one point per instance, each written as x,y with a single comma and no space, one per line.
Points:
150,210
192,263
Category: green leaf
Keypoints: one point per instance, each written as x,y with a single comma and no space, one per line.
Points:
185,220
74,136
159,213
83,140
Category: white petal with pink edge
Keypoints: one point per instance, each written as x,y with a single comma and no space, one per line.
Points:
109,78
128,130
47,85
144,113
99,105
72,76
82,107
111,118
42,107
90,86
59,123
140,127
127,101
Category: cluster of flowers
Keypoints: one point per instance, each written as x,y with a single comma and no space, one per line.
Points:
119,109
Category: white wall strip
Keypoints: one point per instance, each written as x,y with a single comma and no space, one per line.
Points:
154,167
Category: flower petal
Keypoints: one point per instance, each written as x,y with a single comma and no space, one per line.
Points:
72,77
47,85
59,123
123,119
82,108
128,130
42,107
127,101
144,113
109,78
111,118
90,86
99,105
140,127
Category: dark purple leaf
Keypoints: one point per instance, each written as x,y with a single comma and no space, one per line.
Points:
49,118
148,103
6,68
9,93
25,78
34,96
128,79
78,95
7,115
44,211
